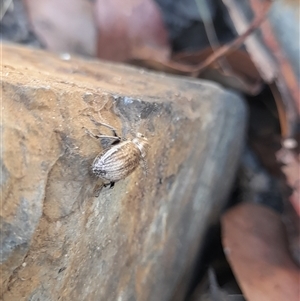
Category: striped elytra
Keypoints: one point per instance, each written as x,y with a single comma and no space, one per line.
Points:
120,160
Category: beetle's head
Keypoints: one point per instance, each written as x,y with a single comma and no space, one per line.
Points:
142,143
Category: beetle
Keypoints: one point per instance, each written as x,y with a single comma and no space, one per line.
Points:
121,158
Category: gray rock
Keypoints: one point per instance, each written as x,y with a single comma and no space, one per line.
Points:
138,240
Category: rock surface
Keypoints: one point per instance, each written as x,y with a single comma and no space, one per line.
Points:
139,240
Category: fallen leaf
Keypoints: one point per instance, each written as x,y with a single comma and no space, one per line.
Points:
131,29
64,26
254,242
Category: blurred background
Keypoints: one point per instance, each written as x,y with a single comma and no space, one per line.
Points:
248,46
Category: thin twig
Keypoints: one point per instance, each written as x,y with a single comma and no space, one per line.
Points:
226,49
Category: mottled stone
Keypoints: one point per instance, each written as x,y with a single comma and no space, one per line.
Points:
139,240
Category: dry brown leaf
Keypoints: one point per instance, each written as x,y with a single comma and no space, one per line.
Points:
254,241
130,29
64,26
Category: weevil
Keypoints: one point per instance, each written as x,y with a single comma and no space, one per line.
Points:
121,158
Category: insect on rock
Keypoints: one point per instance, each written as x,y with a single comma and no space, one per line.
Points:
121,158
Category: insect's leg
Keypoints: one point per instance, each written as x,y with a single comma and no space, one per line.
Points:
111,128
106,125
111,185
90,133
